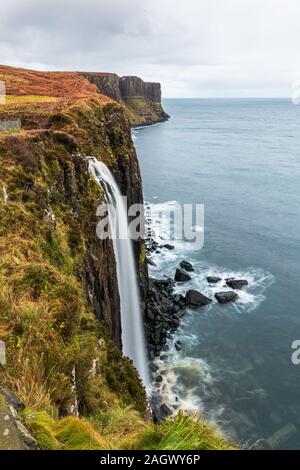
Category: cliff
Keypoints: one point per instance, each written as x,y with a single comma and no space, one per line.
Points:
65,378
59,298
142,100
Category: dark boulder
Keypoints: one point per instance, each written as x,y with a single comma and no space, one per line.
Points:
213,279
165,411
151,262
168,246
225,297
236,283
196,299
182,276
179,299
186,265
154,368
178,345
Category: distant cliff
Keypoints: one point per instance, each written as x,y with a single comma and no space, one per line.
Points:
141,99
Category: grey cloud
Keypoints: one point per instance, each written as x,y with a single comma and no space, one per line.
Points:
195,47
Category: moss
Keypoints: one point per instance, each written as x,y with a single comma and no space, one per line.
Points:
142,253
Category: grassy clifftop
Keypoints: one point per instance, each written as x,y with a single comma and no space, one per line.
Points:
59,302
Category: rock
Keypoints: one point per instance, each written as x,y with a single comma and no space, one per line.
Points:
182,276
213,279
196,299
154,368
236,283
260,444
186,265
151,355
168,246
164,357
179,299
165,410
159,379
151,262
11,399
178,345
225,297
281,436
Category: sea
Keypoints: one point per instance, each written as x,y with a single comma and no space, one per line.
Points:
240,159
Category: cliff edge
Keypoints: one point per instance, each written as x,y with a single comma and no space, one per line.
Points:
142,100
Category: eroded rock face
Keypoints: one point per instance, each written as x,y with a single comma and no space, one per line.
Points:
142,99
164,310
108,84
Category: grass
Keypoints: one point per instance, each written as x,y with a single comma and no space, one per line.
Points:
46,236
183,433
123,428
28,99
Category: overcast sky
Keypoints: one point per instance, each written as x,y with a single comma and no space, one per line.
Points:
195,48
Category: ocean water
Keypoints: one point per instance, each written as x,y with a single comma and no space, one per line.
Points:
241,159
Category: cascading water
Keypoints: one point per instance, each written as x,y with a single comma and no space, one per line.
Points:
133,336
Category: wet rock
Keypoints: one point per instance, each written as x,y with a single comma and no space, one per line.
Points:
168,246
165,410
178,345
179,299
181,276
281,436
196,299
163,313
151,262
159,379
186,266
164,357
236,283
225,297
213,279
154,368
151,355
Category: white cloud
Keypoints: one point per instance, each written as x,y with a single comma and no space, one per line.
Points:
195,47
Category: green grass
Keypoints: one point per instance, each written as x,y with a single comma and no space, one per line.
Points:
45,320
122,428
183,433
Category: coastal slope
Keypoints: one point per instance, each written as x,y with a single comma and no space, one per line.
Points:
64,377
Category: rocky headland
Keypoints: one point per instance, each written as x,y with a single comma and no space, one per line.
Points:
63,376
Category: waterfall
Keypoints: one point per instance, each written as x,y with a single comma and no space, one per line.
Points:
133,336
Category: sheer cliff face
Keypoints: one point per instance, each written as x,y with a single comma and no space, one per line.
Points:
59,273
141,99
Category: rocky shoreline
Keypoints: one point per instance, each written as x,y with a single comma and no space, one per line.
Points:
166,308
